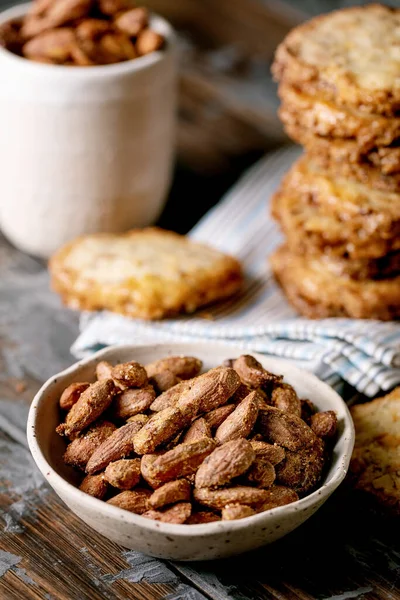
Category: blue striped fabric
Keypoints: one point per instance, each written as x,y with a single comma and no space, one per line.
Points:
364,354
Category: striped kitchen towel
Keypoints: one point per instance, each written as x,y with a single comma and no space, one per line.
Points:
365,354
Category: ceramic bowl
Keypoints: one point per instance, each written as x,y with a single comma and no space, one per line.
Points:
181,542
95,145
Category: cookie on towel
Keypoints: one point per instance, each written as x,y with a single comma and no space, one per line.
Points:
316,293
149,273
375,464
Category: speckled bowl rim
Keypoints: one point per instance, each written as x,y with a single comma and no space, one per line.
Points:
113,512
94,71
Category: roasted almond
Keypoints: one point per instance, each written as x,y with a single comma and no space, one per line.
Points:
199,429
132,402
285,398
136,501
71,395
95,486
240,423
170,493
178,513
238,494
91,404
182,460
224,463
124,473
83,446
160,428
118,445
284,429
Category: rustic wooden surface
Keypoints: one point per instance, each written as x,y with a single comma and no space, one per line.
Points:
47,553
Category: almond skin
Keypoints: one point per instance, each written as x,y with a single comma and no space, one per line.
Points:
285,398
224,463
103,370
217,416
240,423
124,473
182,460
271,452
160,428
71,395
199,429
324,424
95,486
170,493
136,501
184,367
91,404
284,429
132,402
252,373
169,398
178,513
278,495
261,473
302,470
83,446
118,445
128,375
208,391
236,511
239,494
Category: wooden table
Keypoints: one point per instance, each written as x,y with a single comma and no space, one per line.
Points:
227,119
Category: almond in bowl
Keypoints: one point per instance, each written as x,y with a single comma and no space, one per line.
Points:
178,476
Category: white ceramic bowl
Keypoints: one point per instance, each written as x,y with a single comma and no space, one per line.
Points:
181,542
84,149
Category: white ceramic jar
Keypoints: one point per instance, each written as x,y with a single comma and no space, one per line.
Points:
84,149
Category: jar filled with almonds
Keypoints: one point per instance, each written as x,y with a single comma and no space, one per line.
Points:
83,149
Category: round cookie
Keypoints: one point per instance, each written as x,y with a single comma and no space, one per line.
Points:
350,54
384,159
363,268
322,117
331,157
320,214
316,293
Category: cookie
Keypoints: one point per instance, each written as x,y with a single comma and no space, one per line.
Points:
332,156
350,55
384,159
149,273
375,463
316,293
320,214
322,117
363,268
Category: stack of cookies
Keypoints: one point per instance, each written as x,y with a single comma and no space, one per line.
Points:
339,205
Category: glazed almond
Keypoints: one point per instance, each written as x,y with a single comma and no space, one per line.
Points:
91,404
240,423
224,463
118,445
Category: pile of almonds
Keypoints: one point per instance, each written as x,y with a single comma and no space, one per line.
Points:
81,32
169,444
